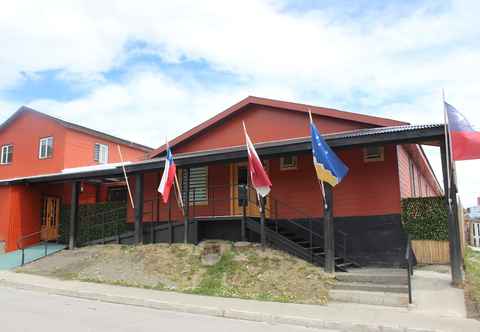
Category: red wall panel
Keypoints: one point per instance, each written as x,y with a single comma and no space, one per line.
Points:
263,124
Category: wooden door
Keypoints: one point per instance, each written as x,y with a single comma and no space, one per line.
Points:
50,218
240,176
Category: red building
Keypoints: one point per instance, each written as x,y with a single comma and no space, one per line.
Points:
384,156
35,144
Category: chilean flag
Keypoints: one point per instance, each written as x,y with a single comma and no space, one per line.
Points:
260,180
464,139
168,176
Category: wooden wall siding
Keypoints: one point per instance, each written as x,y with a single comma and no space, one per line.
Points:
263,124
81,149
4,212
370,189
24,134
423,187
431,252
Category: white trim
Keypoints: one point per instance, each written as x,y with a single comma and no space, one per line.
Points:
4,152
44,142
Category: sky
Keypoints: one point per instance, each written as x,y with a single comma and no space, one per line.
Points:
147,69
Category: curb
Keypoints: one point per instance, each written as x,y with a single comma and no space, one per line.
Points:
214,311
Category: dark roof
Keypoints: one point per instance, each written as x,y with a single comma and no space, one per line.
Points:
415,134
250,100
70,125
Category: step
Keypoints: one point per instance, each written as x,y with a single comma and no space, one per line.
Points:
367,297
383,277
372,287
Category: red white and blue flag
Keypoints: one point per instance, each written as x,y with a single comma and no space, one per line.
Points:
168,176
465,140
259,177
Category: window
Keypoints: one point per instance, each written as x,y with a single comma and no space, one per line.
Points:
373,153
413,185
198,185
288,163
101,153
6,155
45,149
117,194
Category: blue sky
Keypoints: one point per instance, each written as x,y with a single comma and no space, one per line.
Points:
167,65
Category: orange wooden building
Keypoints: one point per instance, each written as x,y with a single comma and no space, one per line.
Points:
34,144
385,158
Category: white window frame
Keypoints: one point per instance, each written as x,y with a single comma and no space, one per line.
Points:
44,142
373,158
6,150
289,166
102,157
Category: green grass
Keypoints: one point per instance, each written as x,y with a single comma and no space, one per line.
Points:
472,273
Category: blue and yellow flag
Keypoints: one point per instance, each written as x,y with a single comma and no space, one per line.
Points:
328,166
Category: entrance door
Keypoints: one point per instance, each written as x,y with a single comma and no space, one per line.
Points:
50,218
240,177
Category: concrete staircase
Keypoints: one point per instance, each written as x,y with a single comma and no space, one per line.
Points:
377,286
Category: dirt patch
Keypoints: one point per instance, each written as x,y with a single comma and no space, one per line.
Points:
243,272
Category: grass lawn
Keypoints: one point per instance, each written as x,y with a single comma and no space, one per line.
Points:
244,272
472,276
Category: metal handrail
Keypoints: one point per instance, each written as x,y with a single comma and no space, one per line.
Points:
23,238
409,256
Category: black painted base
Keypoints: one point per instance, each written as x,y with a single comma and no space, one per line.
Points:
371,241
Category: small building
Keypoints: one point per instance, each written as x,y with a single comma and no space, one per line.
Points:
34,144
385,158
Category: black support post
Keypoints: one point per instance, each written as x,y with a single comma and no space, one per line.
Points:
328,231
72,242
138,208
453,226
262,221
187,205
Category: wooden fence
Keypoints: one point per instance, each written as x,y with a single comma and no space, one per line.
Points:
431,252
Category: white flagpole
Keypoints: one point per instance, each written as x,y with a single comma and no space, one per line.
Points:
321,182
448,151
125,175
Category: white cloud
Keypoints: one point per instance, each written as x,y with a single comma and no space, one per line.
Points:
381,63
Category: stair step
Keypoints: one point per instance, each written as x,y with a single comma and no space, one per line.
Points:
371,287
384,277
366,297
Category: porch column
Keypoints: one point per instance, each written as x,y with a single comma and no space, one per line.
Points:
187,204
329,231
453,227
72,241
138,236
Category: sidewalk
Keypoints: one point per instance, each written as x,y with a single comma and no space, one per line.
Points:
336,316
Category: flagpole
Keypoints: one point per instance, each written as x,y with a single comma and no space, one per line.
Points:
448,151
125,175
321,181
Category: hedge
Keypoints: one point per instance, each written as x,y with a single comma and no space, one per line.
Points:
425,218
95,221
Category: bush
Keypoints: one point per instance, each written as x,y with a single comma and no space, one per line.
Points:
425,218
95,221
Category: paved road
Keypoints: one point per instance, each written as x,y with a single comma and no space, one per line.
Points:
30,311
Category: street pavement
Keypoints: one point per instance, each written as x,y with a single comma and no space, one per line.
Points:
25,311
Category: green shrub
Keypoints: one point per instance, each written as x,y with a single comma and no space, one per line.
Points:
95,221
425,218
